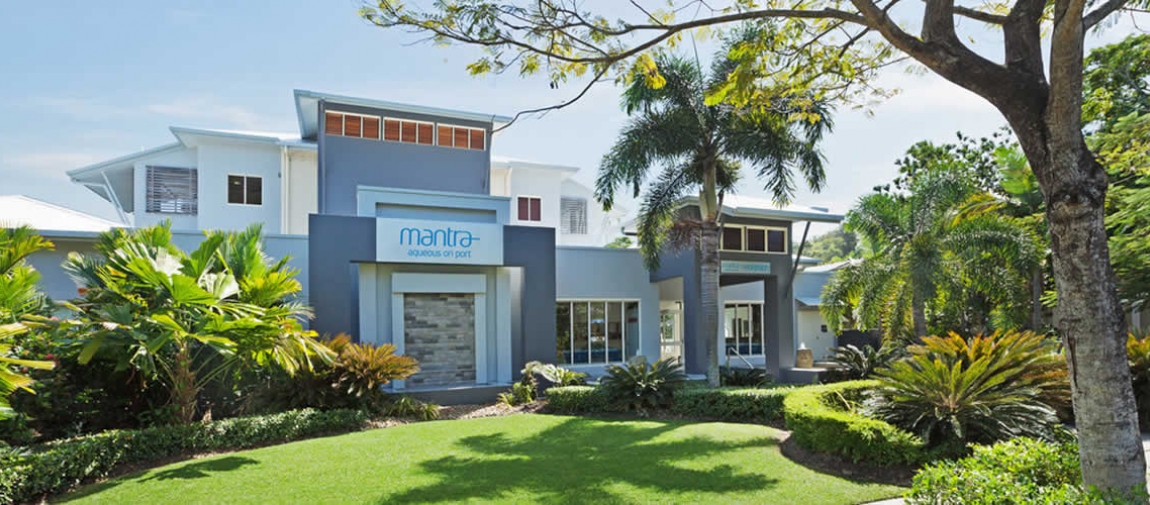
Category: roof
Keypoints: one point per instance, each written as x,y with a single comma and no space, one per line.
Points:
307,110
749,206
807,301
829,267
20,210
190,137
514,163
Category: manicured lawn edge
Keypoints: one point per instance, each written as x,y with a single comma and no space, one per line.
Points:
819,420
58,466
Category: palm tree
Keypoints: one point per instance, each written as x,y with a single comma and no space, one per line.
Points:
185,319
699,148
19,297
923,252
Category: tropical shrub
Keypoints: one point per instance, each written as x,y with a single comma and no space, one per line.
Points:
19,297
406,406
1020,471
853,363
743,377
55,467
520,393
11,378
761,405
578,400
186,319
638,385
952,391
352,379
827,419
1138,353
555,375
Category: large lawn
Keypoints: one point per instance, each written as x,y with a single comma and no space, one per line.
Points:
521,458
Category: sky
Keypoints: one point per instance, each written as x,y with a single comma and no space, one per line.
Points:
82,82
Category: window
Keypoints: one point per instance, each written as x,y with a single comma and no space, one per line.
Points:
346,124
171,190
573,216
754,239
245,190
595,332
462,137
743,329
530,208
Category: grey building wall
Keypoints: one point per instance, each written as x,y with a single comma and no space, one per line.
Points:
54,282
596,273
684,265
533,250
347,162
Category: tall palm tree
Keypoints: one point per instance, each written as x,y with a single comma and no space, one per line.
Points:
922,252
698,149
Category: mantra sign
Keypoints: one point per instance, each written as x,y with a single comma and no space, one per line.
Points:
442,242
745,267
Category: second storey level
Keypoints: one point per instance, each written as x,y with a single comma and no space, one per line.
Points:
226,179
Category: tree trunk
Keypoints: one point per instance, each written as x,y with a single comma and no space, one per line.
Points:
709,296
1036,287
1089,317
183,385
918,310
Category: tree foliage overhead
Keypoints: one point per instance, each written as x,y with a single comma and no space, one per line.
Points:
832,246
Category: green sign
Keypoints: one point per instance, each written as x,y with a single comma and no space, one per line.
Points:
745,267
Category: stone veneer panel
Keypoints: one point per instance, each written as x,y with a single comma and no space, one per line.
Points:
439,331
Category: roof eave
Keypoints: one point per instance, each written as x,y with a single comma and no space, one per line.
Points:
103,165
300,94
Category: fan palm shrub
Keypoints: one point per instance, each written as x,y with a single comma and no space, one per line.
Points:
852,363
185,319
699,148
352,379
19,297
639,384
952,391
1138,354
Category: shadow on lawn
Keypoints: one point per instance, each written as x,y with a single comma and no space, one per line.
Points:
191,470
577,461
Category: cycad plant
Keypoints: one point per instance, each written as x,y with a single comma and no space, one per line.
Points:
853,363
185,319
639,384
697,149
952,391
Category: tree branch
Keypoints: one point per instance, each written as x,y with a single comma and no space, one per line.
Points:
558,106
1097,15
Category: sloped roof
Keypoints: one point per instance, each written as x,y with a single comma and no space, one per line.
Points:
20,210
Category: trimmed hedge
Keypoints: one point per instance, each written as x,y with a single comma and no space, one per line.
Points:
732,404
58,466
578,399
818,420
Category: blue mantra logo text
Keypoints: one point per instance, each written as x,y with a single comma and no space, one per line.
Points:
442,237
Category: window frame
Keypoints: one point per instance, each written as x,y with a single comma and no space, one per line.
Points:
583,229
227,197
482,131
762,325
343,124
766,238
529,220
606,324
194,176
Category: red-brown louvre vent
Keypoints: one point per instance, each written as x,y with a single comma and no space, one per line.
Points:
409,132
391,130
477,139
461,137
371,128
445,136
333,123
426,133
352,126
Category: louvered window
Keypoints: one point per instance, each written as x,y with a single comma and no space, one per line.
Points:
573,216
172,190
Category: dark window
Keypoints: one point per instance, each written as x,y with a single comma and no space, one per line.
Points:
756,240
244,190
776,241
732,239
530,208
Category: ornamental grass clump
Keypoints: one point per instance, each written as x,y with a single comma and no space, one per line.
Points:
953,391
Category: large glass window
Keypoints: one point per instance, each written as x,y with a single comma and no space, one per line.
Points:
596,332
743,329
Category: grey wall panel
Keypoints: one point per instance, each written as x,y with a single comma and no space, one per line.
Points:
532,249
684,264
54,282
348,162
337,242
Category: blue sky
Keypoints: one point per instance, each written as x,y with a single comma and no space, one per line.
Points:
81,82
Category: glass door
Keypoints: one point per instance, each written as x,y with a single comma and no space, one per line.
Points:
670,334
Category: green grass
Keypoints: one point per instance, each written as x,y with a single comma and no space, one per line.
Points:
522,458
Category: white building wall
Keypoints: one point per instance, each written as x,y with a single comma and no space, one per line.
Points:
302,198
541,183
601,227
219,160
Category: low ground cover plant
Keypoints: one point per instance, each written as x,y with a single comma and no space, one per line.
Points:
1022,471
